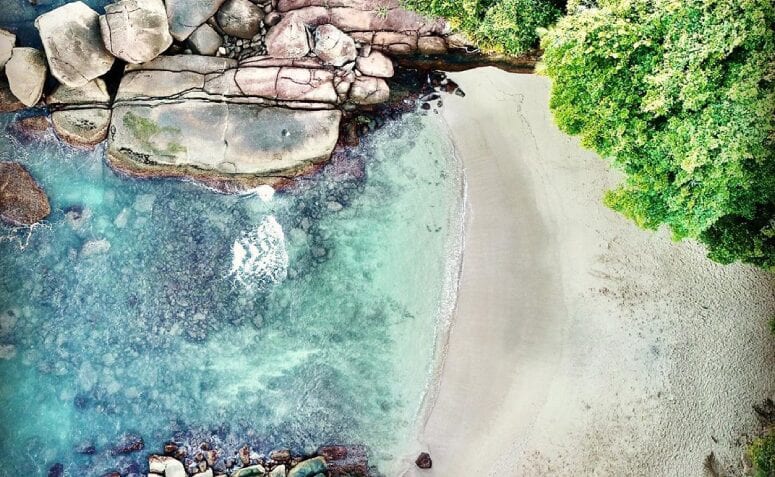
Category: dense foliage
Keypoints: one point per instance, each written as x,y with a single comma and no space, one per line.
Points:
762,454
680,95
503,26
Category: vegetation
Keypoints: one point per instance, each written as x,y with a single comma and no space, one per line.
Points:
500,26
680,95
762,455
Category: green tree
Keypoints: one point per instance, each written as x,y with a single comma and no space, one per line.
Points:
679,95
501,26
762,455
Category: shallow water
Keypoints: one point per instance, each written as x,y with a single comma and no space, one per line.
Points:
162,309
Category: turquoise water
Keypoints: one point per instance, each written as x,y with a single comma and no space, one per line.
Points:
161,309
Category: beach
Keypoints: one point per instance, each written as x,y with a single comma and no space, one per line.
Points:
582,345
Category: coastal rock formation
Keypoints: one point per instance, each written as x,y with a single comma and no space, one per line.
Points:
288,39
81,116
73,43
375,64
135,30
309,468
185,16
7,42
367,90
22,201
166,466
8,101
26,73
205,40
240,18
333,46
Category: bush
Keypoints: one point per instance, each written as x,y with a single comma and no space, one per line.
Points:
679,95
501,26
762,454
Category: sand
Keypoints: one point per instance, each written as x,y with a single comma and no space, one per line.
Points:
582,345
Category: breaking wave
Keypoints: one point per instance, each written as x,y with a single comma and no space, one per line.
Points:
260,258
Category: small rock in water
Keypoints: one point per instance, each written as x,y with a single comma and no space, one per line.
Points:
424,461
129,443
56,470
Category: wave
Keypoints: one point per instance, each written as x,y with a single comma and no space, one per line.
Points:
259,257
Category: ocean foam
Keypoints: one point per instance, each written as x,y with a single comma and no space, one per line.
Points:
260,257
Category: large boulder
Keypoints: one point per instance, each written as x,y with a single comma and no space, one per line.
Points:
309,468
333,46
223,138
22,201
81,116
135,30
205,40
240,18
26,73
8,101
166,466
73,43
7,42
375,64
186,15
368,90
288,39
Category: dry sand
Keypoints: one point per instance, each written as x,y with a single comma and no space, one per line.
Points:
581,344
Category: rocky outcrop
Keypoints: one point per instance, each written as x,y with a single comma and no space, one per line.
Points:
205,40
367,90
7,42
309,468
8,101
81,116
73,43
240,18
288,39
375,64
185,16
26,73
333,46
135,30
22,201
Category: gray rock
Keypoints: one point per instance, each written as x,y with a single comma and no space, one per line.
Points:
166,466
220,137
185,16
135,30
81,115
375,64
333,46
205,40
8,101
73,43
240,18
278,471
7,42
369,90
308,468
288,39
26,73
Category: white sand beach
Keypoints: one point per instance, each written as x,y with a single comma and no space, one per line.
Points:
582,345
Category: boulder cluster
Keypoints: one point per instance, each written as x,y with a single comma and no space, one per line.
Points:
206,461
250,89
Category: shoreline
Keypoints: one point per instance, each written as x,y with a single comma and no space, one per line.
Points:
579,343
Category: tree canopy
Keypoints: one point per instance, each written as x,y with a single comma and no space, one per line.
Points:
679,95
502,26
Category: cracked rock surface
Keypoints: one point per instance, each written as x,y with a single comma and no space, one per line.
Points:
22,201
135,30
186,15
81,116
26,73
73,43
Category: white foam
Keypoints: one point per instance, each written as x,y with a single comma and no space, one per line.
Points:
259,256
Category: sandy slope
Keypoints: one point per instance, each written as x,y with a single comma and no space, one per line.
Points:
582,345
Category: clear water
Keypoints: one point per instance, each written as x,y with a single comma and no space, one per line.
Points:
160,308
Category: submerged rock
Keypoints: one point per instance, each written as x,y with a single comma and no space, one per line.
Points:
240,18
288,39
135,30
26,73
7,42
81,115
308,468
22,201
73,43
333,46
185,16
